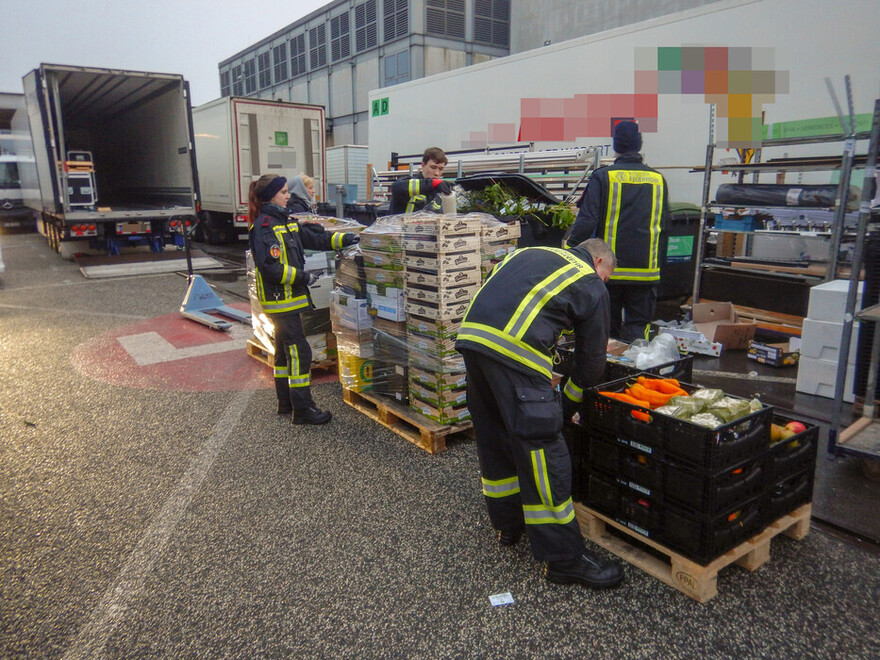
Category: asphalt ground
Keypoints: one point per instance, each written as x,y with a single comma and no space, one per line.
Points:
151,520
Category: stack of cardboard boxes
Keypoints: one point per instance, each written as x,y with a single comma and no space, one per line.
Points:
442,259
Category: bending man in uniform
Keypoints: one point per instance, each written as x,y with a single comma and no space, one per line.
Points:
420,193
282,282
626,204
507,338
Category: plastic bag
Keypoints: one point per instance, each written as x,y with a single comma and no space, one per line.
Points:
706,419
661,350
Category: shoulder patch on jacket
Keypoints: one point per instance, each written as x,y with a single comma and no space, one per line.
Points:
275,251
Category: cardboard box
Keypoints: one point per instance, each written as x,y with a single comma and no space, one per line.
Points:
691,341
437,311
496,249
501,232
444,294
386,260
432,346
719,323
774,355
382,276
433,328
444,278
440,225
355,373
442,399
442,262
387,242
442,244
438,381
348,311
440,415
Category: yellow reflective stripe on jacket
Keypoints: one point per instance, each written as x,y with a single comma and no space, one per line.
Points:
542,293
617,179
290,305
414,196
500,487
502,343
573,392
336,240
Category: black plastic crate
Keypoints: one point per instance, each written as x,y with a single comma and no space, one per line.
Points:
701,538
681,370
680,440
787,495
795,454
668,482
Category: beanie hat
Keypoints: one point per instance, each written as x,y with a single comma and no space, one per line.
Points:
272,188
627,137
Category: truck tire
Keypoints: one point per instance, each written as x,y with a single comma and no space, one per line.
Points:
213,229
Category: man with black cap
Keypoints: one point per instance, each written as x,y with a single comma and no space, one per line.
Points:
626,204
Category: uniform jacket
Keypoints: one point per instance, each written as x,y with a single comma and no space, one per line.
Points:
300,200
526,303
625,204
277,247
414,194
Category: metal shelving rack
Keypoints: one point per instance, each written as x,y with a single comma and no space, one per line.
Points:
862,438
844,163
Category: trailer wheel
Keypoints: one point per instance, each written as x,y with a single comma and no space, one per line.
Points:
214,231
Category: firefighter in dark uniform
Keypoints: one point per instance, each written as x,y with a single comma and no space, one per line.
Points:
626,204
508,338
421,192
277,244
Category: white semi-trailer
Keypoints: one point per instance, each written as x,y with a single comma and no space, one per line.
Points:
240,139
114,156
761,64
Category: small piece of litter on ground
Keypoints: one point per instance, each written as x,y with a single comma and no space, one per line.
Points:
501,599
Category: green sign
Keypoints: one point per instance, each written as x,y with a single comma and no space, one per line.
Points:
380,107
281,138
679,248
814,127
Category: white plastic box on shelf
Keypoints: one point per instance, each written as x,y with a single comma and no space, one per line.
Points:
828,300
821,340
818,377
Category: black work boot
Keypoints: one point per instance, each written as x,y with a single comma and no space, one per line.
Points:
282,391
311,415
510,536
587,570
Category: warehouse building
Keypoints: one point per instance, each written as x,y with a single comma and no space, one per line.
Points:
337,54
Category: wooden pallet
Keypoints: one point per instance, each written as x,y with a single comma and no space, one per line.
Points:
692,579
423,432
257,351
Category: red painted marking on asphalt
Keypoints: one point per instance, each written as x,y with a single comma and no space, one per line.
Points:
105,359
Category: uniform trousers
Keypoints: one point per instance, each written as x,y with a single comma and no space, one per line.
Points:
525,464
632,309
293,361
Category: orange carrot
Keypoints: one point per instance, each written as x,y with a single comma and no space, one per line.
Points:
626,398
663,385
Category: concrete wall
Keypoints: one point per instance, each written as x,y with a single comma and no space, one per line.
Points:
533,23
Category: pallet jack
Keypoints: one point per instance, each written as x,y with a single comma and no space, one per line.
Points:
200,301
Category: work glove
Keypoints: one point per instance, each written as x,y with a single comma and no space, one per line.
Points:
314,276
444,187
350,239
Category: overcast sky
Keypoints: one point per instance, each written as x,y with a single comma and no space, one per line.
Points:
189,37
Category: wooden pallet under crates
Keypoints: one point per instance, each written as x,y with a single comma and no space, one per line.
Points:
404,421
692,579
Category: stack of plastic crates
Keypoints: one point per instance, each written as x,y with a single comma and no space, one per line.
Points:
699,491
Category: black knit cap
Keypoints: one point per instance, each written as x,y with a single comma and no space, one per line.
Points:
272,188
627,137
